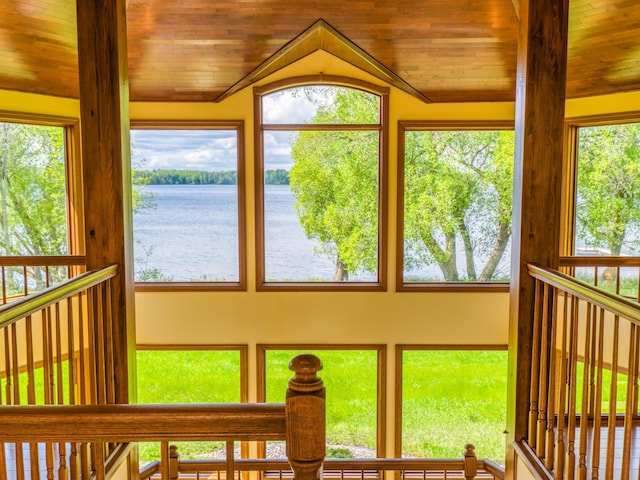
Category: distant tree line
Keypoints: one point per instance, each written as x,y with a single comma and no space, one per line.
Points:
200,177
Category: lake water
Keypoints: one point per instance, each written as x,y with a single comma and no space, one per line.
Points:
192,233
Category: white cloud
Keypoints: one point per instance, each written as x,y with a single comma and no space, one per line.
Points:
184,149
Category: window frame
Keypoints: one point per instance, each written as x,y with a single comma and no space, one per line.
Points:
73,171
405,126
383,130
570,169
381,373
399,354
241,283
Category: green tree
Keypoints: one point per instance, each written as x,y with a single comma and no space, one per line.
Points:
458,191
32,190
608,203
334,179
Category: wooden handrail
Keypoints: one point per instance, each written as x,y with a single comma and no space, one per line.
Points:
136,423
614,304
18,309
42,260
598,261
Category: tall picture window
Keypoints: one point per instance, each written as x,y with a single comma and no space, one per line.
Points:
187,214
455,187
320,180
39,192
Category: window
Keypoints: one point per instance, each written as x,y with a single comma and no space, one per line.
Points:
188,375
33,190
188,196
451,397
320,176
605,220
355,407
608,190
39,212
454,214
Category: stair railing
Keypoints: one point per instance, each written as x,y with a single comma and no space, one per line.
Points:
55,349
300,422
24,275
584,380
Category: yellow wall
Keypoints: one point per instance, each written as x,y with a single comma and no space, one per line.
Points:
322,317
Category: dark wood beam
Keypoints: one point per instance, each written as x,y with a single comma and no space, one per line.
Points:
539,126
104,120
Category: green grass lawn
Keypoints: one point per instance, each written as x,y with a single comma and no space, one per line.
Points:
187,376
450,397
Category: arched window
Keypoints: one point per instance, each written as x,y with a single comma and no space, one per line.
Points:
320,177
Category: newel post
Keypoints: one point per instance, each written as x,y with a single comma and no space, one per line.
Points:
305,412
470,462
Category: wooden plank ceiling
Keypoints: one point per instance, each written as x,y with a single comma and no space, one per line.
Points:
196,50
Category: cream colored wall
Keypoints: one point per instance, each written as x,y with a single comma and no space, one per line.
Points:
322,317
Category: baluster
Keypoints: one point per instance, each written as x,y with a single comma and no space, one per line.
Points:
551,401
71,382
544,375
535,369
584,415
305,418
25,290
82,350
571,410
613,396
15,373
230,460
165,462
597,414
31,395
59,384
4,286
470,462
107,321
3,460
629,413
562,398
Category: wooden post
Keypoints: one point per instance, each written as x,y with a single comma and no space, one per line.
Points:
470,462
106,170
538,168
305,412
174,461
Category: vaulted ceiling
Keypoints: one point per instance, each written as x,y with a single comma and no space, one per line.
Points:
204,50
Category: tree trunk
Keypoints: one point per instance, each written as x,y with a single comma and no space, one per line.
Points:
342,273
492,263
446,259
448,266
468,251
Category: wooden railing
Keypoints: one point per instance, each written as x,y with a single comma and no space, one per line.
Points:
618,275
90,429
468,467
55,350
21,276
583,416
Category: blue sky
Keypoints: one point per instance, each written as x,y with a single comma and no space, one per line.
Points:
216,149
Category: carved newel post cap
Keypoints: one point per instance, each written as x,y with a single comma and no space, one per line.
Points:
306,366
470,462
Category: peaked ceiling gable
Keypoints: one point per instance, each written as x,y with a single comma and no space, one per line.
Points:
322,36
